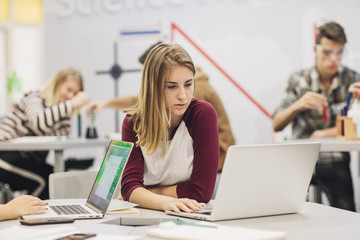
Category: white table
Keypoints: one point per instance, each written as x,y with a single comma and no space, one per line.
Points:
52,144
333,144
314,221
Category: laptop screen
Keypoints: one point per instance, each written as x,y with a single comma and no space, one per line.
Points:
109,174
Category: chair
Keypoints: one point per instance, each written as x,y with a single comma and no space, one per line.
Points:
73,184
26,174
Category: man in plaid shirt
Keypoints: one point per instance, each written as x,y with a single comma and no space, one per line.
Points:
323,87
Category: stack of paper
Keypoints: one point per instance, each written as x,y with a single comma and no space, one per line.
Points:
119,207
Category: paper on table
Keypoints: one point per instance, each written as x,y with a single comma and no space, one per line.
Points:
31,233
119,206
123,211
169,230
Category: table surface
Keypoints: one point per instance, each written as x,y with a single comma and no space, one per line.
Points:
314,221
332,144
50,143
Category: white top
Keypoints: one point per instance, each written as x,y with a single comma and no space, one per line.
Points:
177,164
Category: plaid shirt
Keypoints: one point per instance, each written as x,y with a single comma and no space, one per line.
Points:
306,122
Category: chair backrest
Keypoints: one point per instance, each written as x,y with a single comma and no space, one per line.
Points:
73,184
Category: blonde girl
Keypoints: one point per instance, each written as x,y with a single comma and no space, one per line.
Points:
175,161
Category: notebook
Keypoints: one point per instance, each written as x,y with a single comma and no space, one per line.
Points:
101,192
261,180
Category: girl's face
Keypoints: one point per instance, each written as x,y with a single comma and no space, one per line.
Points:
179,90
68,89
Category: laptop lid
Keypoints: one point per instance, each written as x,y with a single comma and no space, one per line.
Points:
262,180
108,176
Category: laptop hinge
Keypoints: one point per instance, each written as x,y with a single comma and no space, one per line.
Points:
93,208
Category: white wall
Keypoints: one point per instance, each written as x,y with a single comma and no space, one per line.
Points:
257,42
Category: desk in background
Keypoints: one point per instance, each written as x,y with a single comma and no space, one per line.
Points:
315,221
58,145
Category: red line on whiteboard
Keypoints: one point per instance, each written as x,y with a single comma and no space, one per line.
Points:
175,27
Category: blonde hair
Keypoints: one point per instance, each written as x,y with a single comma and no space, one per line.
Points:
149,114
51,90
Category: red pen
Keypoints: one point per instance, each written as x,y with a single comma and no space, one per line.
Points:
325,115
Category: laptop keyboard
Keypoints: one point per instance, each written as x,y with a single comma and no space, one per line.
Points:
69,209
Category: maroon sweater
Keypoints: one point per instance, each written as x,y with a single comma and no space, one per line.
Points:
201,121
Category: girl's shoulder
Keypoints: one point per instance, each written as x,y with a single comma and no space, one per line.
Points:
200,106
34,93
199,109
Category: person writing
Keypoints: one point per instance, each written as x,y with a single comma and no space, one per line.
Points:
22,205
44,112
308,93
173,165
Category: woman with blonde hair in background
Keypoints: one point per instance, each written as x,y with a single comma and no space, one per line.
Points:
44,112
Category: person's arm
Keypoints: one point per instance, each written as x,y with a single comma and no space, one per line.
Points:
205,92
115,103
22,205
42,119
202,126
324,133
132,187
148,199
310,100
167,191
202,119
283,118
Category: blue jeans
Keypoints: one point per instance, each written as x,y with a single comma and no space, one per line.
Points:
334,179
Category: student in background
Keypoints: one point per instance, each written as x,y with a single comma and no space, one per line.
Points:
308,93
40,113
22,205
174,163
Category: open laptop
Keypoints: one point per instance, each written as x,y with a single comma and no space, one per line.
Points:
261,180
102,190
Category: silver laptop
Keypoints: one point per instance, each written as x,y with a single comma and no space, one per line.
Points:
261,180
102,190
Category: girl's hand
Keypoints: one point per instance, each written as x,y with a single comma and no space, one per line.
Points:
355,89
24,204
96,107
182,204
311,100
